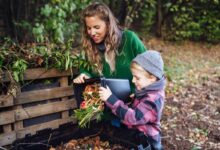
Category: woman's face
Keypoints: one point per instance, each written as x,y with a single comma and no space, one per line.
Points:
96,28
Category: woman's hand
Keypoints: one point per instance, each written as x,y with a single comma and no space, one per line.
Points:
104,93
80,78
132,96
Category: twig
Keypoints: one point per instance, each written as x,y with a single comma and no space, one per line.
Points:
2,148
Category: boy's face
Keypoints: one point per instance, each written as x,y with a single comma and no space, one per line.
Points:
141,79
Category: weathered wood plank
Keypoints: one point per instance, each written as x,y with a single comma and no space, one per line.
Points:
40,110
40,73
52,124
7,128
7,117
7,138
18,124
64,82
6,100
45,94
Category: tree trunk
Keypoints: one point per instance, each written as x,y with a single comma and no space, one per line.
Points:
8,19
122,12
159,18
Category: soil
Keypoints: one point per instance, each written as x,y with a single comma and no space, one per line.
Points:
191,116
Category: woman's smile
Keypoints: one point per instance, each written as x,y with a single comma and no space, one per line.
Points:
95,38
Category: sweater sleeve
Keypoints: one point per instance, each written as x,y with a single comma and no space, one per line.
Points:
140,115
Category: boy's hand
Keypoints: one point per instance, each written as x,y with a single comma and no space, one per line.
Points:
104,93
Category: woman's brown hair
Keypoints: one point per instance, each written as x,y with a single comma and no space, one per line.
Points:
111,41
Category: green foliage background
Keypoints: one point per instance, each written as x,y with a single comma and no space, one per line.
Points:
57,21
194,20
54,27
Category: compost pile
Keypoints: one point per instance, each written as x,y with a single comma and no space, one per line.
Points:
92,143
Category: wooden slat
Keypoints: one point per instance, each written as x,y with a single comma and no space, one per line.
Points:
65,114
52,124
7,117
64,82
6,100
7,128
7,138
19,124
45,94
40,110
40,73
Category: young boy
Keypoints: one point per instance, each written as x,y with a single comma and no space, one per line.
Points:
145,112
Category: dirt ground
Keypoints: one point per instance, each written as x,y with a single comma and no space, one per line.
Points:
191,117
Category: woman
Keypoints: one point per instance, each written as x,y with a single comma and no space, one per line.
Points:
107,46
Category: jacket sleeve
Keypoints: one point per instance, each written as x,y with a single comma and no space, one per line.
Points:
140,115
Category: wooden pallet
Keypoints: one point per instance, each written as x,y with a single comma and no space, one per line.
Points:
15,112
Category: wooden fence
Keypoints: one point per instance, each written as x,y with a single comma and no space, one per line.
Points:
36,109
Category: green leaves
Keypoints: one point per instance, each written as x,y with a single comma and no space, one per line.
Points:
57,22
46,10
194,20
17,58
18,68
38,32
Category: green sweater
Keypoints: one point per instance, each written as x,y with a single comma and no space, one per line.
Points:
130,47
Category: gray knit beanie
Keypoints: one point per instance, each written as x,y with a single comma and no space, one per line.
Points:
151,61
